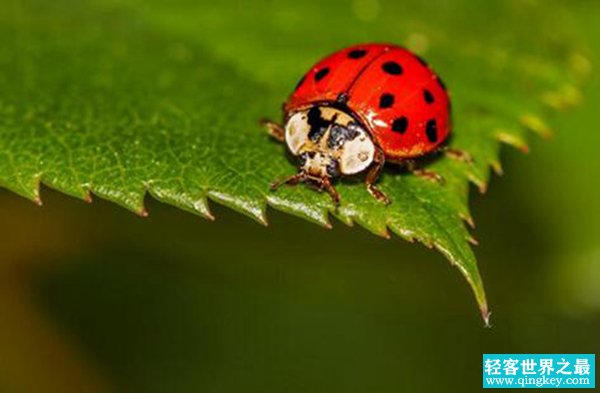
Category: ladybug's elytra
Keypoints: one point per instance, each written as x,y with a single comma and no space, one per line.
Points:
358,108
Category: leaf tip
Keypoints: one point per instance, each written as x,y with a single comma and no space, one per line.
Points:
385,234
247,206
316,214
536,124
466,217
143,212
35,191
512,140
497,167
201,207
482,187
486,314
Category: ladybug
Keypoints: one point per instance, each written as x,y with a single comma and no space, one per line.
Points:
358,108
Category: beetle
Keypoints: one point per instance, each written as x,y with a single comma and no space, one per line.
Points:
359,108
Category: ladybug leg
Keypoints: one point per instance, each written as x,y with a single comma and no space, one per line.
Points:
456,154
373,175
411,165
290,180
274,129
326,184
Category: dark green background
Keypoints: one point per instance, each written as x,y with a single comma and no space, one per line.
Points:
173,303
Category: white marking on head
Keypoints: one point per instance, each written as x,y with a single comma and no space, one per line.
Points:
296,132
357,154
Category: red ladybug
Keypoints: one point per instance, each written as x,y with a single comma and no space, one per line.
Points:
358,108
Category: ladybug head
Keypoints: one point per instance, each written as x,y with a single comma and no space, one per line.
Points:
329,142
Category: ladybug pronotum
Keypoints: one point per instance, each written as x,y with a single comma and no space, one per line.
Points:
358,108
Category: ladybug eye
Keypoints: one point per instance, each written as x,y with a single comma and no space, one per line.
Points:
333,169
337,137
302,158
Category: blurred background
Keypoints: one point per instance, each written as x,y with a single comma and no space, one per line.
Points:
96,299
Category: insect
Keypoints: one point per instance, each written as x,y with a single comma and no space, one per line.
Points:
358,108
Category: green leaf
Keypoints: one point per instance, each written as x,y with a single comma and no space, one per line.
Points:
123,98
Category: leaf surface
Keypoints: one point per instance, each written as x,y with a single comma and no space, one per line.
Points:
120,99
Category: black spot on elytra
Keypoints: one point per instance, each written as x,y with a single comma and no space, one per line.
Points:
392,68
300,82
427,96
321,74
386,100
431,131
357,53
317,124
400,125
441,83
